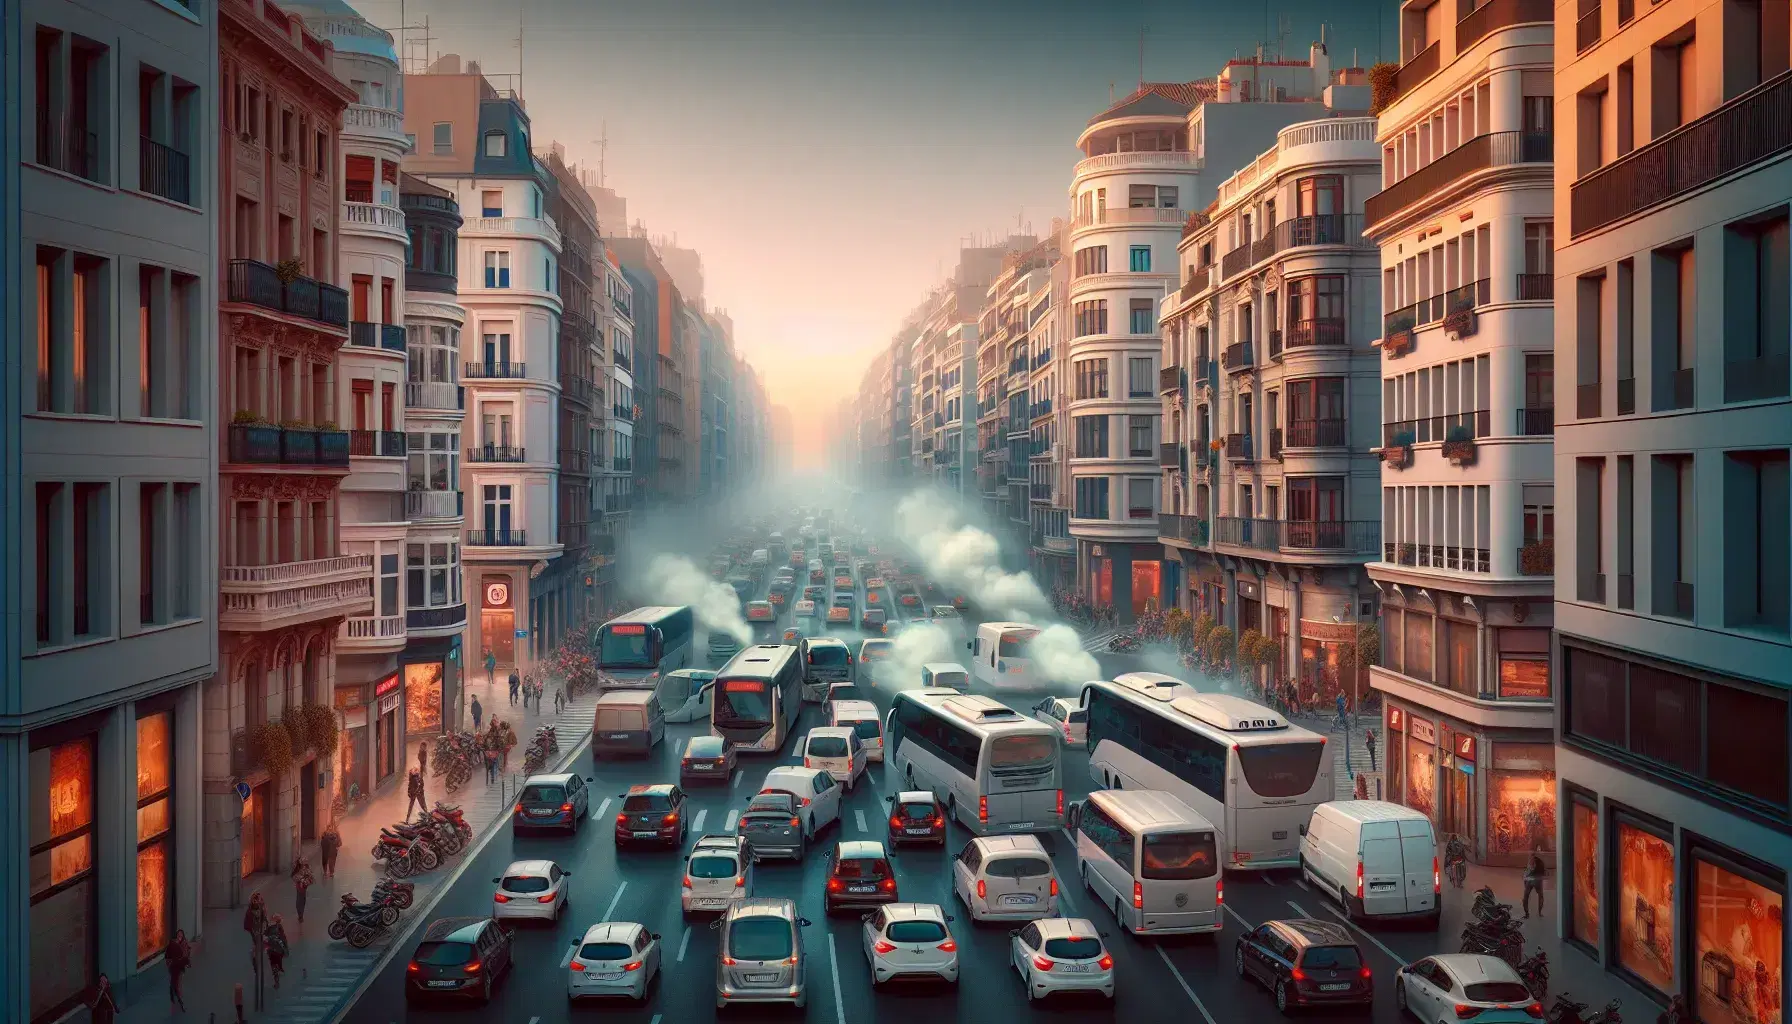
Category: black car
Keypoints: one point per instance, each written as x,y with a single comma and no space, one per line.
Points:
916,817
1305,963
859,877
653,815
459,957
707,759
873,621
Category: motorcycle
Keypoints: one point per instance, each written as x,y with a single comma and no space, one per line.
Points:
535,758
364,926
433,848
1507,944
1534,972
547,733
399,854
1486,902
384,909
1567,1011
450,814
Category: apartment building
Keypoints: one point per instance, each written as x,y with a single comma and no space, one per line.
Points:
1004,395
473,141
1465,226
111,190
579,371
1673,609
617,471
650,289
1051,549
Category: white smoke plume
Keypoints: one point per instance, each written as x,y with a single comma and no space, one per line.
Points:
674,579
1058,656
914,647
962,557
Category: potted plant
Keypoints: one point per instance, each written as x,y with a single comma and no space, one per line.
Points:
1461,322
270,748
1398,338
245,418
1398,452
1459,446
1537,558
1384,78
289,270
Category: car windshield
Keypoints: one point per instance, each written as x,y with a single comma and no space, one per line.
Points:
1015,751
1018,867
1332,958
830,656
827,746
606,951
617,719
915,931
444,954
1277,770
625,646
742,702
542,795
862,867
918,812
722,639
760,938
713,867
1080,948
1014,642
705,746
1497,992
867,729
525,883
847,692
877,649
647,802
1180,855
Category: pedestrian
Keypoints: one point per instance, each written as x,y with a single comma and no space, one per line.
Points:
301,880
1369,741
255,922
1343,709
276,941
478,712
103,1009
414,795
491,765
491,665
1362,787
179,957
329,844
508,741
516,684
559,698
423,758
1533,882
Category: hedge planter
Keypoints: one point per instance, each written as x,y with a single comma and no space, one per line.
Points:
1398,457
1460,453
1397,344
1537,558
1461,324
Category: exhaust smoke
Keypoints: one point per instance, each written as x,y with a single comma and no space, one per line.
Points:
962,557
674,579
1059,658
912,648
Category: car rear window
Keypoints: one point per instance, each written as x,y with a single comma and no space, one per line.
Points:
1073,949
619,719
706,746
714,866
525,883
1180,855
1078,717
1497,992
915,931
542,795
1013,751
444,954
862,867
1338,958
874,615
760,938
606,951
1017,867
647,802
780,803
867,728
1014,642
827,746
1281,769
919,812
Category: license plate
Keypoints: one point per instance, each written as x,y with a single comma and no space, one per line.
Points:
1381,886
607,976
709,901
762,977
1020,901
1023,824
1341,987
1072,968
646,835
915,831
619,736
443,984
861,888
542,812
702,767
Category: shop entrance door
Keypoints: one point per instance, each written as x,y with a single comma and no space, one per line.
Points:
388,744
497,626
254,838
1459,809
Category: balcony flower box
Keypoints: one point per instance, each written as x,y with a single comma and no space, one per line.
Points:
1461,323
1397,343
1459,446
1406,554
1537,558
1398,453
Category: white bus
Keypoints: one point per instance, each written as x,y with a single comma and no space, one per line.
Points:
999,656
1237,763
757,697
997,770
639,646
1151,859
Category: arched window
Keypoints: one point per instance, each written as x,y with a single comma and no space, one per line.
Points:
496,143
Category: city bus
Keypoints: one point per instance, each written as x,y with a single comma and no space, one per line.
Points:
1237,763
997,770
999,656
758,697
638,647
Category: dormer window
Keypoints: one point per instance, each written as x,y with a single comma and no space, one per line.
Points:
496,144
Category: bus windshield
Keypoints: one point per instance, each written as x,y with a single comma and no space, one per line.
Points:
626,646
1281,769
743,702
1014,642
1022,751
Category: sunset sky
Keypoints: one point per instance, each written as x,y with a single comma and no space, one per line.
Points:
829,158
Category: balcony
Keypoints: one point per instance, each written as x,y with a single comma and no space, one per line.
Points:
495,371
1423,65
1198,280
497,539
1131,215
575,462
254,283
372,631
67,147
1540,422
1467,296
574,536
361,119
260,445
370,335
1744,131
376,217
437,395
433,505
164,171
376,443
1239,448
1497,14
1321,331
424,201
1437,556
1174,159
1181,529
256,598
1345,537
1436,428
1172,456
540,229
1275,345
1275,443
1496,149
451,617
496,453
1235,262
1238,357
1318,433
1536,288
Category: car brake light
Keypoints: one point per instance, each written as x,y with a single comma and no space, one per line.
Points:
794,823
740,881
895,822
1437,879
882,946
1535,1010
1467,1012
805,801
806,763
983,810
684,762
1367,974
519,808
687,881
549,898
889,885
473,968
414,968
1359,879
500,898
622,819
947,946
565,808
1297,974
982,889
1054,885
1042,963
632,965
1219,892
727,961
1138,896
1066,730
833,885
1106,962
575,965
670,819
1060,803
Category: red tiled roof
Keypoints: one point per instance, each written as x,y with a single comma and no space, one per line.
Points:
1186,95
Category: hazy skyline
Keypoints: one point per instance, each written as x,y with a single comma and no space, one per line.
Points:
829,159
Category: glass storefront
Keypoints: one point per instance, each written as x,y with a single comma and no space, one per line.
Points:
1645,905
155,833
423,697
1521,799
1738,946
1421,768
63,901
1393,758
1147,582
1583,912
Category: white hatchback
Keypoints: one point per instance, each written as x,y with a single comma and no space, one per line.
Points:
615,958
716,874
1465,985
861,717
818,795
1061,955
910,940
531,890
837,751
1067,716
1005,878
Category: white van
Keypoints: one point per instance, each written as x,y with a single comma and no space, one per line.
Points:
1152,859
861,717
1378,859
837,751
948,675
999,656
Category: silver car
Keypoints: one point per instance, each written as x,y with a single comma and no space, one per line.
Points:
760,957
772,828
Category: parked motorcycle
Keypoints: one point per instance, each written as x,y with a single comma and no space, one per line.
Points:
450,814
364,927
402,893
1505,943
398,853
1486,903
1534,972
1567,1011
385,909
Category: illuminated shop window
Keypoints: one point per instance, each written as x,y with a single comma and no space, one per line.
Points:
62,884
1645,905
155,837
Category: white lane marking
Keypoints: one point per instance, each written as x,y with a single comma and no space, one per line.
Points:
566,960
603,808
697,826
534,1020
683,944
1348,923
1298,909
1242,923
656,1019
859,816
1303,884
1180,980
1266,879
738,775
613,901
729,827
834,966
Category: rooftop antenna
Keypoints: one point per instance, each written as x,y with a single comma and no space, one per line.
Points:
405,43
603,151
1110,94
519,50
1284,29
1141,58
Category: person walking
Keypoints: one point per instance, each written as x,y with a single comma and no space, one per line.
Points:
1369,742
1343,711
1676,1013
255,922
491,764
277,947
1533,882
179,957
104,1008
478,712
559,699
516,683
423,758
491,665
328,845
508,741
414,795
301,880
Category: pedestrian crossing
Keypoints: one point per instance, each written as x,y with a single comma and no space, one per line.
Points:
319,992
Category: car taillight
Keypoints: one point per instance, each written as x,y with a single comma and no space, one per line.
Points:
1066,736
632,965
519,809
982,889
806,763
1467,1012
882,946
895,822
565,808
414,968
889,885
805,801
1054,885
575,965
740,881
794,823
500,898
1359,879
947,946
473,968
1219,892
1535,1010
1366,974
1138,896
983,810
939,821
1106,962
1437,879
549,898
621,819
833,885
1061,800
684,762
687,881
1042,963
1297,974
670,819
727,961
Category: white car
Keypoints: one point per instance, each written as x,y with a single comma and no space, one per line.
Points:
837,751
531,890
910,940
818,795
615,958
717,874
1061,955
1005,878
861,717
1444,986
1067,716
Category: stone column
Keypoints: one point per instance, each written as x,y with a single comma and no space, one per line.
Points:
189,806
1296,607
115,829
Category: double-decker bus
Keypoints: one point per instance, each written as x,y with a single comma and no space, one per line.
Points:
640,646
998,770
1236,762
758,696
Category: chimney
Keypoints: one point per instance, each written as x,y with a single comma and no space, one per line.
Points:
473,68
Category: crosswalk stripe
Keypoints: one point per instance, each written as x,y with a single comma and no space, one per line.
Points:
859,816
697,826
729,827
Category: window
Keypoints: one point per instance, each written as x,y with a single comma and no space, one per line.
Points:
1091,378
388,585
1755,539
1091,497
497,269
432,575
495,509
73,531
496,144
1148,196
1092,437
1738,916
1143,317
72,332
1141,259
167,340
1539,247
1139,377
1092,260
64,901
1416,652
1319,197
1674,81
1583,865
1589,529
1674,534
1188,755
155,834
1316,300
1674,325
1539,513
491,203
1141,497
442,137
73,103
1524,664
1757,309
1138,432
1645,893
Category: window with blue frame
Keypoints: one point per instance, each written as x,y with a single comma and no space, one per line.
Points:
1141,259
1091,497
497,269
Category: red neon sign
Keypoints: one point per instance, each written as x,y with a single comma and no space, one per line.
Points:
628,630
386,685
744,686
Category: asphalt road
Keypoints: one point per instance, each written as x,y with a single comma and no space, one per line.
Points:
1183,980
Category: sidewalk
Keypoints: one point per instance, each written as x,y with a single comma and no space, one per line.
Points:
320,973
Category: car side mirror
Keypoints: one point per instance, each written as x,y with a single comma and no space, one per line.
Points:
565,874
589,779
716,925
889,799
656,936
1014,933
803,922
495,881
968,645
950,919
865,918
